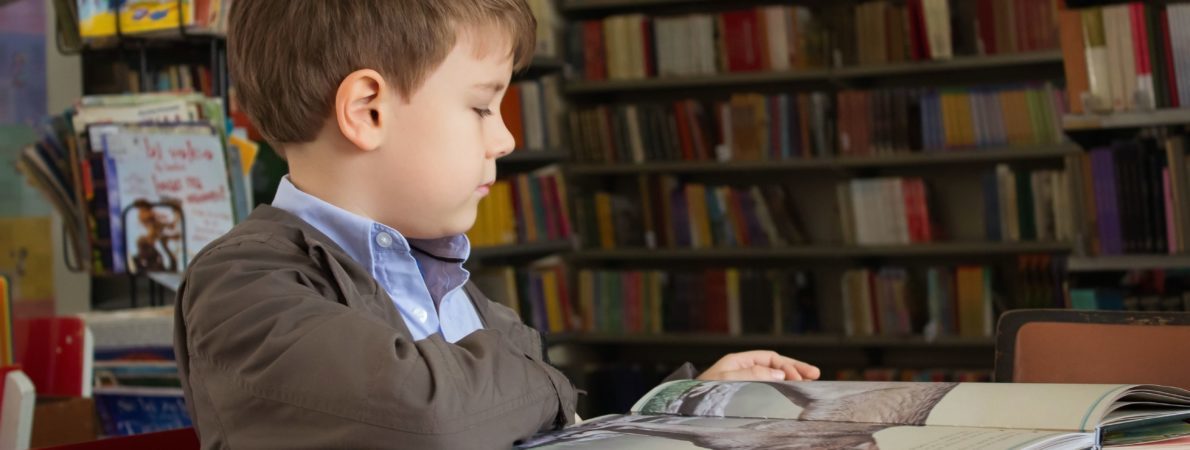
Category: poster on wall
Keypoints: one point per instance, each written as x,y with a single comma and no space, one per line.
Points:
26,230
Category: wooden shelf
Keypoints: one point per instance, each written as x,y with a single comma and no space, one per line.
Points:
821,252
1127,262
766,341
533,157
986,156
838,74
546,63
1157,118
535,249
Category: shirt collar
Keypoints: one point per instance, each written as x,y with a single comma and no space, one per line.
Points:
354,233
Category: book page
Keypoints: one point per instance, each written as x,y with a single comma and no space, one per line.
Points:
1026,406
682,433
1022,405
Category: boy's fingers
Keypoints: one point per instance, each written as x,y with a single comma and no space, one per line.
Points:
754,373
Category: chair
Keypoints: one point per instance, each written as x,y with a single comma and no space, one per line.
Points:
1078,346
179,439
17,399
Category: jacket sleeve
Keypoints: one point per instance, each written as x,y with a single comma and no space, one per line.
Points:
272,362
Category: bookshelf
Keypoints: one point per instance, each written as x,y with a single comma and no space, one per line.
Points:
821,252
849,75
533,250
771,341
1132,119
1127,263
811,175
909,160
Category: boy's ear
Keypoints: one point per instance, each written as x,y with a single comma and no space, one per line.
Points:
358,108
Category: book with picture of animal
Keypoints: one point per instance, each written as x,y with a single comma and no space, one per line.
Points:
691,414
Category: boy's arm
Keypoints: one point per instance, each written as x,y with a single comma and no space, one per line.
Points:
270,361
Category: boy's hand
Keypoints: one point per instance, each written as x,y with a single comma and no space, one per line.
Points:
759,365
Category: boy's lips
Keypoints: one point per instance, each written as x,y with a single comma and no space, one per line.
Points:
485,188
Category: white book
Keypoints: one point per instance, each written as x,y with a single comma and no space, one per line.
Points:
662,41
937,18
1179,29
1115,57
774,17
1128,61
555,111
860,212
1006,182
1098,68
710,48
532,115
634,134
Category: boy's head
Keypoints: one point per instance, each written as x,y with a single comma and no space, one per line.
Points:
386,108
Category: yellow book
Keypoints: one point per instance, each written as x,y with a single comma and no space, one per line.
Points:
700,220
586,299
603,214
970,301
734,320
6,357
949,128
553,304
526,214
98,19
965,120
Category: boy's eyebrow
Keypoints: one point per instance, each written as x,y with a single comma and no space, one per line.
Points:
494,86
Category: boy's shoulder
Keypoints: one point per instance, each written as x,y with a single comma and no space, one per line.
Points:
267,229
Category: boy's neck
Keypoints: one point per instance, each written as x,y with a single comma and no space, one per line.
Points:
323,177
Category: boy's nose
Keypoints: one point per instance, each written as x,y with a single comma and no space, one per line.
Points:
504,143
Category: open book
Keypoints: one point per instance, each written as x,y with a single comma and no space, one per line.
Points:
874,415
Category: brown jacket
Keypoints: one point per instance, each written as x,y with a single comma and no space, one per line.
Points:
283,341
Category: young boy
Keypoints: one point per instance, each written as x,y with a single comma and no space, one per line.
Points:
341,315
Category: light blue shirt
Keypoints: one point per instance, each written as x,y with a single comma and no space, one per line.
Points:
426,290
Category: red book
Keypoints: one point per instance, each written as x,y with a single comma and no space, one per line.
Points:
570,321
917,31
1140,41
696,115
986,15
738,221
873,301
684,135
632,285
1171,75
646,30
716,292
548,202
741,31
511,112
56,353
594,53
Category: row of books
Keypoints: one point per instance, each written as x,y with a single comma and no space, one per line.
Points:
1135,196
1124,57
540,294
98,18
886,211
929,375
725,301
172,78
754,127
782,38
535,113
524,208
144,181
958,301
661,212
1141,290
1027,206
1040,282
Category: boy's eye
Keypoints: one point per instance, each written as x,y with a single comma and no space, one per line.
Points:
483,112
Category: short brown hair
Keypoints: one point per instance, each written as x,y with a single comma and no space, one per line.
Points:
287,57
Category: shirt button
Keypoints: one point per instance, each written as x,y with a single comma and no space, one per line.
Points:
421,315
384,239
